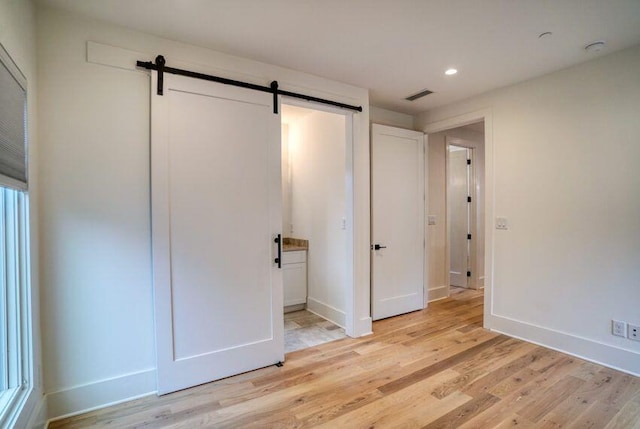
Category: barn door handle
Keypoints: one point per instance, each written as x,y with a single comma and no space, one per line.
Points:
278,241
378,247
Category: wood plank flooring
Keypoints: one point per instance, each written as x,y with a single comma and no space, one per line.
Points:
436,368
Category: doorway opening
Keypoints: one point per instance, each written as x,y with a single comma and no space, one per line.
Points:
461,213
316,224
456,209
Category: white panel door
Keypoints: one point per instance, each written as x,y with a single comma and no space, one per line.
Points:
458,191
397,221
216,208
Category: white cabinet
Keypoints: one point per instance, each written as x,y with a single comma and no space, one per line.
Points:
294,277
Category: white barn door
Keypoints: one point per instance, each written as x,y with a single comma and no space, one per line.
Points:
397,221
216,208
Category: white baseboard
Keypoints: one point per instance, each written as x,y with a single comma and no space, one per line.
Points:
436,293
39,417
103,393
88,397
613,357
365,327
326,311
292,308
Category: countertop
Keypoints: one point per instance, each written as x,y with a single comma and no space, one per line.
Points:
293,244
292,248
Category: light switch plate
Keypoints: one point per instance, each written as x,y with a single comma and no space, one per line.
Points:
618,328
502,223
431,219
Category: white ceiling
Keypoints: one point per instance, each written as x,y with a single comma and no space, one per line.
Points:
393,47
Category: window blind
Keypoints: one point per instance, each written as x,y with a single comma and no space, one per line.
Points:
13,121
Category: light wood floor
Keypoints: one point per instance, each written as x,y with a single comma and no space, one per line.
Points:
434,369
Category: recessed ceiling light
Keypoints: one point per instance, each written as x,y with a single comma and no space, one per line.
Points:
595,46
449,72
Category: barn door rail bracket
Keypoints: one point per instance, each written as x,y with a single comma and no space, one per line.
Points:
160,66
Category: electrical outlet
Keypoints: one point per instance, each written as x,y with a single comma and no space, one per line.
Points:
619,328
634,332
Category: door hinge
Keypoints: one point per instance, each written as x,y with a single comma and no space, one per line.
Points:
468,273
468,199
468,162
468,236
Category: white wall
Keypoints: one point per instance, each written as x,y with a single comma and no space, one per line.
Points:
96,261
18,36
382,116
437,186
318,205
562,166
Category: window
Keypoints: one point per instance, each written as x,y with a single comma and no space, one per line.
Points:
15,335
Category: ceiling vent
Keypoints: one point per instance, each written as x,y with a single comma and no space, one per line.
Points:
420,94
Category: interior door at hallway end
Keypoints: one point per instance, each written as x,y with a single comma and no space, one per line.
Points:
459,192
216,207
397,221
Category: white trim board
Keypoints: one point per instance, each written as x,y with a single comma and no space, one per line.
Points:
437,293
347,318
126,59
593,351
485,115
100,394
363,324
326,311
38,418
